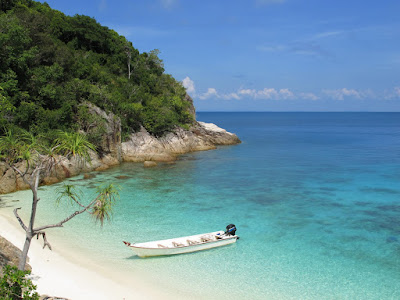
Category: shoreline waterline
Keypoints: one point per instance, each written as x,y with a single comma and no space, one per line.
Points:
63,272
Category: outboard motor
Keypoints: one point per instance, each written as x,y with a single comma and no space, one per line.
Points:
230,229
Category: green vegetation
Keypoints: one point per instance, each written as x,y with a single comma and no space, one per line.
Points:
51,63
31,157
15,285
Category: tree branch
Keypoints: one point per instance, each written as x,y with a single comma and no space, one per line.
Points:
19,219
77,202
60,224
45,242
37,178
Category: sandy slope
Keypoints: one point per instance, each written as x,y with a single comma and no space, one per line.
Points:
56,275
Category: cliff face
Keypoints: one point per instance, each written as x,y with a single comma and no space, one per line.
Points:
192,109
139,148
111,140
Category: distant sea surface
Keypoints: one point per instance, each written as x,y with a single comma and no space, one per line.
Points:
315,198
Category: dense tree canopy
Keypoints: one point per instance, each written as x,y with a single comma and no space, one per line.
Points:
50,63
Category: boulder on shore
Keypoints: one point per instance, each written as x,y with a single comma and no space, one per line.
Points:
9,255
149,164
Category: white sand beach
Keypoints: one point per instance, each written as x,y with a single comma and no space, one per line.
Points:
56,275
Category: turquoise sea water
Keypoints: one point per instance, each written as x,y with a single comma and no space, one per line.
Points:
315,198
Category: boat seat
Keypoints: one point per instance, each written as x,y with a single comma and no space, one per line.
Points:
161,246
175,244
206,238
190,242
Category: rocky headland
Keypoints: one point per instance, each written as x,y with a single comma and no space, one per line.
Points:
202,136
140,147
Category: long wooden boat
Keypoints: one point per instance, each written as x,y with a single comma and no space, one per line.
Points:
185,244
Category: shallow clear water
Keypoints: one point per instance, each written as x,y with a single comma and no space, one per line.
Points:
315,198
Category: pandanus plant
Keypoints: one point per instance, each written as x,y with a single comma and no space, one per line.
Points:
30,157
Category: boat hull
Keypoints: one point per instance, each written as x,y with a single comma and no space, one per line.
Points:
151,248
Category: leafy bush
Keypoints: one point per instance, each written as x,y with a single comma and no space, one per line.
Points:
14,285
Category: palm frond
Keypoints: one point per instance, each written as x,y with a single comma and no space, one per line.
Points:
70,192
102,208
73,144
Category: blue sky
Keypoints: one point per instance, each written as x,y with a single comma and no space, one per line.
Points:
266,55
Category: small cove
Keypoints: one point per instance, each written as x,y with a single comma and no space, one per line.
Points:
315,198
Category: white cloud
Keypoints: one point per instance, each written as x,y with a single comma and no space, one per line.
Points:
283,94
211,92
340,94
309,96
392,94
231,96
286,94
188,84
274,94
247,92
267,93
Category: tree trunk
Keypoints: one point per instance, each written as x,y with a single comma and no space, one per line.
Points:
128,59
34,184
24,255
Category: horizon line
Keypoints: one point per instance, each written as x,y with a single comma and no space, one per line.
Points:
291,111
